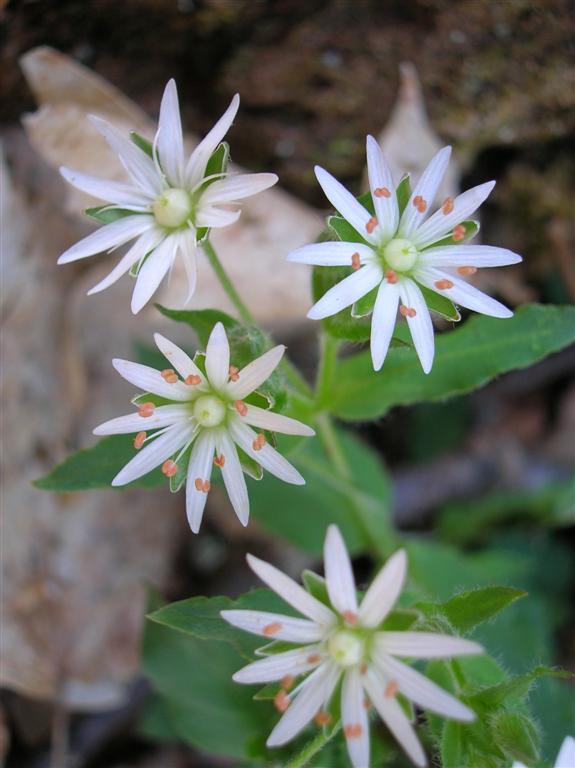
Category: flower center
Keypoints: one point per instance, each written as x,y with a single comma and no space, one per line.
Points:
173,208
209,411
346,648
400,254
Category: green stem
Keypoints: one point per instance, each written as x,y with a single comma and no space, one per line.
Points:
326,369
330,441
314,746
227,284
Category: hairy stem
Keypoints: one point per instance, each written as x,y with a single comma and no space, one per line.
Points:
313,747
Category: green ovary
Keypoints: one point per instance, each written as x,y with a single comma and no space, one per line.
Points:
346,648
400,255
209,411
173,208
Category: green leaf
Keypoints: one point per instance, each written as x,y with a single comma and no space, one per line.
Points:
106,214
142,143
516,735
468,609
514,688
201,320
465,359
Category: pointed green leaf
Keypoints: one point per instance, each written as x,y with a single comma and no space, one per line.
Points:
468,609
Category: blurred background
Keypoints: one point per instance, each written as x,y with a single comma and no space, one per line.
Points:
490,473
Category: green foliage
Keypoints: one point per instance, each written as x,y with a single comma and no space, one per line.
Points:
465,359
106,214
473,607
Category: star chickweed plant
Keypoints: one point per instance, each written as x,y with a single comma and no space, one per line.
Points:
192,417
398,252
170,204
341,641
565,758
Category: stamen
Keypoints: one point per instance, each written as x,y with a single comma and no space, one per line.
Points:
447,206
281,701
443,284
139,440
419,203
467,270
313,658
363,668
202,485
382,192
366,704
241,408
272,629
234,373
193,379
146,409
407,311
391,276
353,731
259,442
350,617
169,376
220,460
322,718
371,225
287,682
355,262
391,689
169,468
458,232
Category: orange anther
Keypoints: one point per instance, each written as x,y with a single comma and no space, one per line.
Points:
353,731
146,409
234,373
391,689
193,379
169,376
382,192
220,460
391,276
281,701
322,718
241,407
259,442
419,203
371,225
350,617
443,284
366,704
272,629
458,232
313,658
363,668
287,682
355,262
407,311
467,270
169,468
447,206
139,440
202,485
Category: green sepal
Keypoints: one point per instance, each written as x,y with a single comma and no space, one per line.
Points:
142,143
471,229
344,231
364,306
217,165
179,478
147,397
316,585
107,214
403,193
276,646
440,304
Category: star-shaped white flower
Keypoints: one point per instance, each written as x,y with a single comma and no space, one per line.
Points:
565,758
202,417
345,642
170,199
401,253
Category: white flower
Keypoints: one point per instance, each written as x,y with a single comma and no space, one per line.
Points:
201,419
345,642
399,254
170,199
565,758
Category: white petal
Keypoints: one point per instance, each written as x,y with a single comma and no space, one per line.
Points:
237,187
346,292
182,362
150,380
188,250
209,216
218,357
111,191
266,456
140,167
462,292
344,202
169,138
233,476
314,691
153,271
420,326
278,665
139,249
468,256
439,225
332,254
196,166
275,422
426,188
354,713
383,322
419,689
386,210
395,719
426,645
338,572
566,756
163,416
279,627
200,466
155,453
109,236
254,374
291,592
384,590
